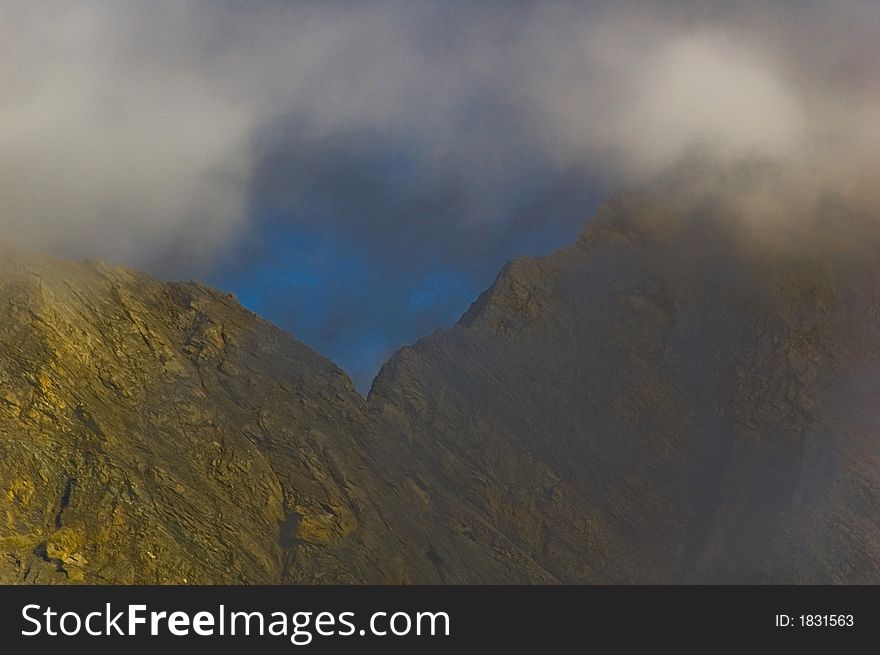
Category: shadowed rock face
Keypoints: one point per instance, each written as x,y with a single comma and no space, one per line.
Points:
675,398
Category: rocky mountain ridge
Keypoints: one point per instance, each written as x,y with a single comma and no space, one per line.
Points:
674,398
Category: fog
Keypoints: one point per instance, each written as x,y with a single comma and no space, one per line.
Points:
156,134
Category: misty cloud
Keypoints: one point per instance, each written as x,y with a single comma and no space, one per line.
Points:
415,145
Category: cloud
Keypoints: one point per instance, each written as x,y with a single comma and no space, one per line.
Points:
111,145
416,145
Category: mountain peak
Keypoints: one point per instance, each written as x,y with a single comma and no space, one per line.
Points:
677,397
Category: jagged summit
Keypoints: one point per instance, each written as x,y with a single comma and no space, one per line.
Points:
675,397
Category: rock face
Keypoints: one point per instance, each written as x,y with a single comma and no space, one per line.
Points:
675,398
150,433
672,399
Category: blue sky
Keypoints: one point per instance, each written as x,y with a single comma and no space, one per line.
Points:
358,248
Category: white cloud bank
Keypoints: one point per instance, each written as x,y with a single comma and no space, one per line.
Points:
129,128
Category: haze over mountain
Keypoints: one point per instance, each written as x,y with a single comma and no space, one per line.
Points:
686,394
359,172
687,391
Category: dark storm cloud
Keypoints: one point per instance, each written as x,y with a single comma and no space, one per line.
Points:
360,170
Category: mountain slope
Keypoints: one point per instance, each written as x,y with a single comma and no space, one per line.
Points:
673,399
160,433
678,397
